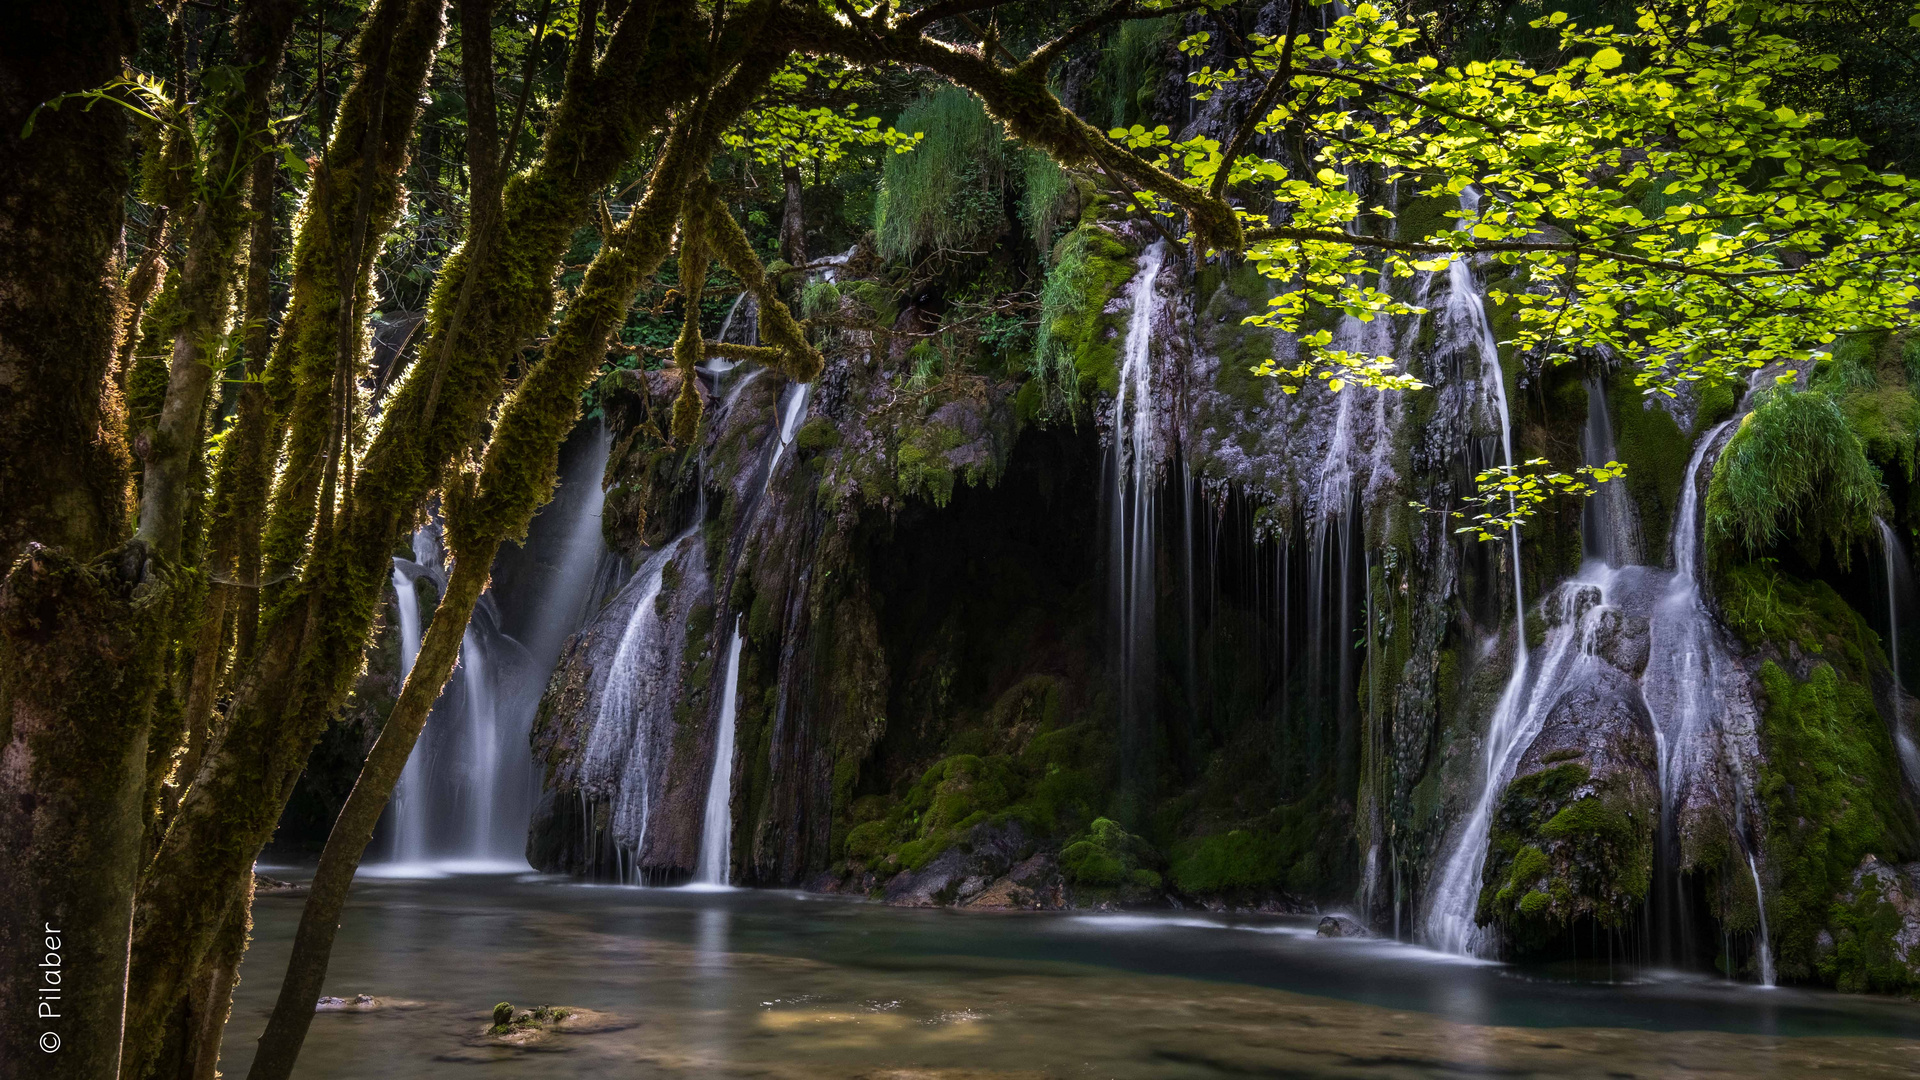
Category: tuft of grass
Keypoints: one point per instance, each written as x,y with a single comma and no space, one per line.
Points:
946,193
1046,192
1794,472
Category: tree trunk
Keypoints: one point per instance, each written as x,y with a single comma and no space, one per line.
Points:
78,665
313,941
793,223
260,33
72,706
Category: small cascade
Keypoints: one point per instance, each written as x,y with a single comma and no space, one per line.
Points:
1516,719
1763,950
1684,695
623,751
796,410
408,812
1893,564
716,837
1608,532
1136,460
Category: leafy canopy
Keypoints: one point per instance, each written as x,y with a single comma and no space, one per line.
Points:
1653,201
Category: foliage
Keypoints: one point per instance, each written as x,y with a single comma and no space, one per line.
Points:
1506,496
795,123
946,194
1771,237
1794,471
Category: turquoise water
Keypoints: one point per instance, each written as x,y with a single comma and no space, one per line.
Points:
748,983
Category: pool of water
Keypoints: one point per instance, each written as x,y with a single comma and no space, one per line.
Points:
773,984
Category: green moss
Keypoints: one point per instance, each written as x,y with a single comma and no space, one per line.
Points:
1831,793
1762,604
1107,855
1077,348
1794,473
1564,848
1656,453
816,435
1717,402
1049,785
1864,957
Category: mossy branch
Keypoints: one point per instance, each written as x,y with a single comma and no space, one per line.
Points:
798,359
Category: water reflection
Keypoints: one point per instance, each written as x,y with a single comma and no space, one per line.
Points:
741,983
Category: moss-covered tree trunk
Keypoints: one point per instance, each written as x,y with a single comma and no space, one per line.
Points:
312,636
239,135
72,745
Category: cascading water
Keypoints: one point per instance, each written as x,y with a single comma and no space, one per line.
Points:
1136,460
467,790
408,813
1515,720
622,750
1607,530
716,837
1893,562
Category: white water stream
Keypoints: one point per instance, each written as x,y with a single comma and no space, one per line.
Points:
1133,496
1516,716
716,837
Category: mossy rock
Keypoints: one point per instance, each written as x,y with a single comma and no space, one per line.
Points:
1831,792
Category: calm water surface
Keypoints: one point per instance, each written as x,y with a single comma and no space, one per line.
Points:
766,984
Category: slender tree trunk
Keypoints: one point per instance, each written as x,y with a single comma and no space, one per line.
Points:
239,134
327,896
793,222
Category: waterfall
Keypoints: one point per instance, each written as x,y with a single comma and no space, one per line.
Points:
621,747
1516,716
789,425
1133,497
467,790
716,835
1517,720
1683,692
1892,561
1607,529
1764,950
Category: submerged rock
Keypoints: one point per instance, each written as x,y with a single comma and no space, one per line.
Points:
1342,926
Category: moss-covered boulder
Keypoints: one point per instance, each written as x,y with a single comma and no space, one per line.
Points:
1872,939
1572,837
1831,791
1108,862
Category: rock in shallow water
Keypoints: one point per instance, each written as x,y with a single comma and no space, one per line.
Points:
1342,926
